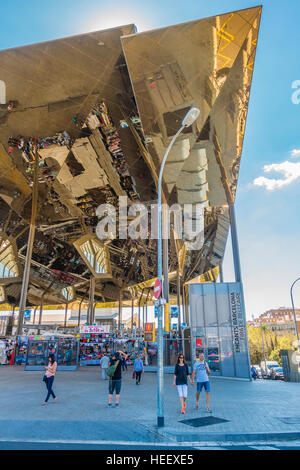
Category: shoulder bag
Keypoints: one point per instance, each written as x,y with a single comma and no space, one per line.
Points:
112,369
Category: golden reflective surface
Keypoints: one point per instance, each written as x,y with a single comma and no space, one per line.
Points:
207,64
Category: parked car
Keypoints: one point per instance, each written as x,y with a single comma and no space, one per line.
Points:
277,373
267,366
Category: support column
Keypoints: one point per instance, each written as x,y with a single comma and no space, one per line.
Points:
178,303
221,272
90,312
120,314
132,310
34,313
27,264
41,310
235,244
66,313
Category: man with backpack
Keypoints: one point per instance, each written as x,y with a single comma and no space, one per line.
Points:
201,371
114,374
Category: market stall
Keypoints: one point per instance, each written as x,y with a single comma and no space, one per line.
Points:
94,342
21,350
64,347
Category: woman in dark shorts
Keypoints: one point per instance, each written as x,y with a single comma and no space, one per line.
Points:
115,381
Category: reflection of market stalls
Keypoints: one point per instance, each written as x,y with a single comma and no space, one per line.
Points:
2,352
21,350
64,347
94,342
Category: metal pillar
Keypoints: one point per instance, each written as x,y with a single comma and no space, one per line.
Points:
140,300
120,314
294,313
179,303
66,313
34,313
132,310
263,345
221,273
237,269
91,301
235,244
26,272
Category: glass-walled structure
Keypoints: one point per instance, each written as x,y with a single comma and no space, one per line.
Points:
218,328
65,350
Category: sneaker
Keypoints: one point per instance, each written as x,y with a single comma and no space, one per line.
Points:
55,400
208,410
109,405
116,405
182,411
45,403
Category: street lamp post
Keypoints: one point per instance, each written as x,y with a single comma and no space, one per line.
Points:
188,120
263,345
294,313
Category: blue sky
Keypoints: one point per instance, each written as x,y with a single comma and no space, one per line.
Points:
268,220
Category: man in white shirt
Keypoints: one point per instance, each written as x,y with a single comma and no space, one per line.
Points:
104,366
201,371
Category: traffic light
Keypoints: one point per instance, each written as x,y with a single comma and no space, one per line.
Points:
149,332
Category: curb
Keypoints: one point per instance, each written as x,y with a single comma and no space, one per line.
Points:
230,437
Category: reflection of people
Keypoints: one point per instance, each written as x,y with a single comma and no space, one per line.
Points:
104,365
69,357
181,376
50,373
202,371
115,380
138,368
253,373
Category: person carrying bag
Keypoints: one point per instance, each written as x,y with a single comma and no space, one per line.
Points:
114,373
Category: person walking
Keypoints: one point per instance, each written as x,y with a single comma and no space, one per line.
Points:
138,367
124,362
115,377
181,376
202,371
49,378
254,373
104,361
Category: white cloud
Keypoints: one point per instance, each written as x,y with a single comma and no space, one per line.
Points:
289,170
295,153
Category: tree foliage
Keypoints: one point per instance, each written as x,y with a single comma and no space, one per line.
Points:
273,342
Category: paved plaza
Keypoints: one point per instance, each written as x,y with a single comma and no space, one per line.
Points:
261,411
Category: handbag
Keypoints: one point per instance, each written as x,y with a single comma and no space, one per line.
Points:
112,369
45,378
133,374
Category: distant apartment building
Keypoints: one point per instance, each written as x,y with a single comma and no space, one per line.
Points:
280,320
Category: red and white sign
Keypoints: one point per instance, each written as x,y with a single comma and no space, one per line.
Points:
157,289
94,329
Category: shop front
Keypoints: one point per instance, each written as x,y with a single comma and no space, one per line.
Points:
64,347
94,342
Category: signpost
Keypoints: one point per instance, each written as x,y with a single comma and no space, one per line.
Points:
157,289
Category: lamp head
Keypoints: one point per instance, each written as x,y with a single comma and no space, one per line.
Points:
190,117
